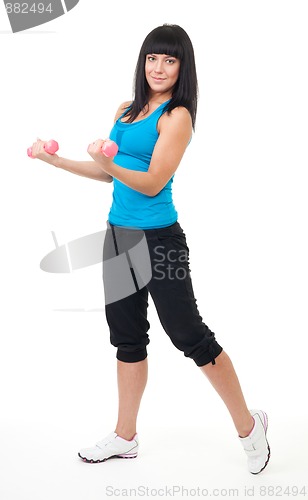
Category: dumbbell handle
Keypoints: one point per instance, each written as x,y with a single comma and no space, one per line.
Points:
50,147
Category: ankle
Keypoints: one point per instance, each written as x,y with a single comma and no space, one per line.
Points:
127,434
245,431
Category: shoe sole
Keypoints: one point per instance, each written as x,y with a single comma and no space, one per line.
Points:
268,446
84,459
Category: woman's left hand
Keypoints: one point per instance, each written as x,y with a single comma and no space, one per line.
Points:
95,151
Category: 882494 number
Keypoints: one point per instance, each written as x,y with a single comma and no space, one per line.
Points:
282,491
25,8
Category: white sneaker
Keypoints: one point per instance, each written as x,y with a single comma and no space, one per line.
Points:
112,446
256,445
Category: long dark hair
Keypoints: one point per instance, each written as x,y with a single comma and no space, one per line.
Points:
172,40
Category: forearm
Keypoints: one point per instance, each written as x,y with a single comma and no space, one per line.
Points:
89,169
144,182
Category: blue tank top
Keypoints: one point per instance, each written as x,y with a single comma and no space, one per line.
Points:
129,207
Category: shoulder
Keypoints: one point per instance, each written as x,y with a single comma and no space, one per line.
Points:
178,117
121,109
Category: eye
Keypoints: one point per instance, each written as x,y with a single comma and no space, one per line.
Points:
170,61
151,58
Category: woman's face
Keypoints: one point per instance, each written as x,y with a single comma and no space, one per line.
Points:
161,72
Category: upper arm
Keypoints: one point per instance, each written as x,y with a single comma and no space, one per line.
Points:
121,109
175,130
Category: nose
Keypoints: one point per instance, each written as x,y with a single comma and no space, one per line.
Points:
158,66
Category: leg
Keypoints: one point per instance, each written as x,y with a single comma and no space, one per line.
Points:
224,380
128,332
128,327
172,292
132,379
127,320
251,426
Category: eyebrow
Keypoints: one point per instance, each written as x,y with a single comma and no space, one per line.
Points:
167,55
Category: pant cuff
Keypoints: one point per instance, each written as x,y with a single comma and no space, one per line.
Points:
210,355
132,357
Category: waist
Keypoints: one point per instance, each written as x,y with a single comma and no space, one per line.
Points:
133,209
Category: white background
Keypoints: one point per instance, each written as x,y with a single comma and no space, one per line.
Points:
241,194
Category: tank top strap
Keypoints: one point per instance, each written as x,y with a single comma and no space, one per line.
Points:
160,109
125,111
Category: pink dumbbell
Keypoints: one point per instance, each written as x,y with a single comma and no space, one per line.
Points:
50,147
109,148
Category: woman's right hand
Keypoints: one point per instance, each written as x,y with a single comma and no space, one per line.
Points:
39,152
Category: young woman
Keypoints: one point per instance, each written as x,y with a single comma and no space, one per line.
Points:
153,132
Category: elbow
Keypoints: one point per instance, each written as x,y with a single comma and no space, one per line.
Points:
153,191
152,186
105,177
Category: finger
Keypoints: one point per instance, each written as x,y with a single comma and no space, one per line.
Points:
37,147
98,144
91,149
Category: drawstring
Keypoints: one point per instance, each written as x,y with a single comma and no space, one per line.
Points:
127,256
211,352
114,240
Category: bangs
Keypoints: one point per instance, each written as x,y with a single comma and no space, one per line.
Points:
162,40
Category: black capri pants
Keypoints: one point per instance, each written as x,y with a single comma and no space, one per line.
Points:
155,261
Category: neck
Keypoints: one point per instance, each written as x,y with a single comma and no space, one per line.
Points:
159,97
